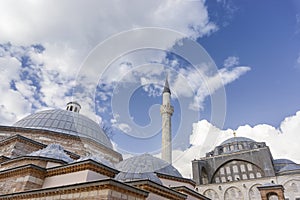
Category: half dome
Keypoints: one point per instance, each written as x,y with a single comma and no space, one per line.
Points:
67,122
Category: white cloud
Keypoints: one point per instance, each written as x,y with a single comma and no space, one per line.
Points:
205,137
84,23
231,61
69,30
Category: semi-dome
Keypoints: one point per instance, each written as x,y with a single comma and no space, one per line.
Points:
236,139
144,167
290,167
67,122
282,164
283,161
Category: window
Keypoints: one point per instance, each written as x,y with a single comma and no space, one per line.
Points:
251,175
244,176
222,170
258,175
223,179
249,166
228,170
217,180
242,167
237,177
235,169
229,178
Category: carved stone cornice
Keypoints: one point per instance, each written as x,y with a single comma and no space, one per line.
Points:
158,189
178,179
77,188
80,166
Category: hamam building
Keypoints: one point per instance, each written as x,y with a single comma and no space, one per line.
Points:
61,154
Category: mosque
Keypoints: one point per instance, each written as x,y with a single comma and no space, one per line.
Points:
62,154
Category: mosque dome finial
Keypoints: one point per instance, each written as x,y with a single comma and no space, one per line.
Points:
73,106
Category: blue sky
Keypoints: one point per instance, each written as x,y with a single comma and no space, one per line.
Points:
233,65
265,36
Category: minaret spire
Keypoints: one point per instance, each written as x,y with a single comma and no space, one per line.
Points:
166,111
167,87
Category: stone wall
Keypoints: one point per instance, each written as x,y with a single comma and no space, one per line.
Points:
21,179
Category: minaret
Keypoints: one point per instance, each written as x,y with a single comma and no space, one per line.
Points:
166,111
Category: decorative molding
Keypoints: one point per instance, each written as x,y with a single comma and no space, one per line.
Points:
109,184
180,179
80,166
184,189
158,189
21,170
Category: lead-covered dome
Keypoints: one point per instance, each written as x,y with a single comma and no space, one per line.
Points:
235,144
236,139
66,122
144,167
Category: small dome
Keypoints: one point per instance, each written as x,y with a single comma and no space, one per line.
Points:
63,121
55,151
144,167
236,139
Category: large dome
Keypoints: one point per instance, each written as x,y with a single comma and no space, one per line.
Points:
236,139
67,122
144,167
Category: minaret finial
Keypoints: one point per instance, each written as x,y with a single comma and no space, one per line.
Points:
167,87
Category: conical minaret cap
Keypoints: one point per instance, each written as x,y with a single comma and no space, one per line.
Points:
167,87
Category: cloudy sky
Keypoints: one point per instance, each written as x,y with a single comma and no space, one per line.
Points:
232,65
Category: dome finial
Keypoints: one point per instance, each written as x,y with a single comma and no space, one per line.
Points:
73,106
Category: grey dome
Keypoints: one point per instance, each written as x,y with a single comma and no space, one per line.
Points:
236,139
290,167
67,122
283,161
55,151
144,167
